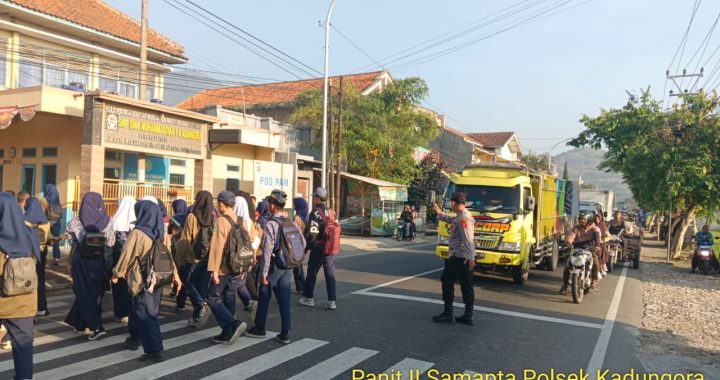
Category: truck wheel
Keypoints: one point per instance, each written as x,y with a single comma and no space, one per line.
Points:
636,259
577,288
520,275
551,263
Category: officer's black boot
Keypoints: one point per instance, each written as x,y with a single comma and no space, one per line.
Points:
467,317
446,316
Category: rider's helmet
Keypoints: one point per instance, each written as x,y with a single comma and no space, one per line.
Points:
585,215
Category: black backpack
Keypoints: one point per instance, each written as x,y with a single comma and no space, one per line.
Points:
201,246
158,261
92,246
54,212
238,253
290,245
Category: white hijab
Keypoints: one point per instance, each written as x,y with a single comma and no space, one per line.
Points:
124,219
150,198
241,210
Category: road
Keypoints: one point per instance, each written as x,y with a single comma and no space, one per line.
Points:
383,322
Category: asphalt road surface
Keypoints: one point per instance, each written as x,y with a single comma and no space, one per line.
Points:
382,325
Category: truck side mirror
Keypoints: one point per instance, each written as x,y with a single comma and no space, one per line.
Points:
605,214
433,197
529,203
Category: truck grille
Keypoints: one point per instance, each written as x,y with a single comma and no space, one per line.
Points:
487,242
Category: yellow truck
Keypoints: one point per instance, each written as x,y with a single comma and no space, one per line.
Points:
516,217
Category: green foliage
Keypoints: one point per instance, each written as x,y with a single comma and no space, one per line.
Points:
380,130
536,162
588,186
661,153
429,176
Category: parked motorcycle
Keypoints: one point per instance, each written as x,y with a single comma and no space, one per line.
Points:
403,231
615,250
704,256
580,265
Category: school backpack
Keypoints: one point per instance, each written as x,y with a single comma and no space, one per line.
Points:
201,246
238,249
331,232
40,233
19,276
159,262
290,245
54,212
92,246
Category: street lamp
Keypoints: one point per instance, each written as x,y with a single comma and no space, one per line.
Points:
325,97
551,149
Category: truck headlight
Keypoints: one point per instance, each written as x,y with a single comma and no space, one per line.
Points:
509,246
705,253
443,240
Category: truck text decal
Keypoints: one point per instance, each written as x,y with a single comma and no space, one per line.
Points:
490,225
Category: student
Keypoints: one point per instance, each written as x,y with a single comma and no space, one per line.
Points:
314,237
143,326
177,222
246,287
193,248
52,197
22,197
301,215
17,312
88,265
10,192
273,278
37,221
123,223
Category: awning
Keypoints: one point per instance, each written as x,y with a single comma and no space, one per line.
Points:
7,114
389,191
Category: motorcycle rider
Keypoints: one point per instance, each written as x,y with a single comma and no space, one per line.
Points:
704,237
584,235
407,217
616,225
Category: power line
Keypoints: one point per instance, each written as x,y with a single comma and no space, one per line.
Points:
356,46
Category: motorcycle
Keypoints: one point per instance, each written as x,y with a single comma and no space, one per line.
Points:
580,265
704,264
615,250
403,231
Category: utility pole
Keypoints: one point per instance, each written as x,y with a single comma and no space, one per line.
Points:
323,177
338,176
331,152
143,48
684,92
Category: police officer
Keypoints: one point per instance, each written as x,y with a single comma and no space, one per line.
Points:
460,262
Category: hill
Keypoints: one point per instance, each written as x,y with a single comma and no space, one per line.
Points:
583,163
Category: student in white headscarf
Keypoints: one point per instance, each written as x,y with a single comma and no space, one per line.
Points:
123,222
246,289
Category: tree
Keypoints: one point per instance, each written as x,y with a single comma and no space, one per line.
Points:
536,162
429,176
588,186
662,154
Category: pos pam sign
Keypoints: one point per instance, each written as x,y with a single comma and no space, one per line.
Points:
273,175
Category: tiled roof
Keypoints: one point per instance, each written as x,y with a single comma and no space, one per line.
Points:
492,139
272,93
97,15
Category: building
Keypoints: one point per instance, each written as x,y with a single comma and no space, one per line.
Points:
505,145
70,112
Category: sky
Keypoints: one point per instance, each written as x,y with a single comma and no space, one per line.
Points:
536,79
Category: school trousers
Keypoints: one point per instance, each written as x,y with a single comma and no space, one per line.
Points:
143,323
278,283
20,331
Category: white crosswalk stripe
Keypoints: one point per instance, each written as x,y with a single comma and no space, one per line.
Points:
53,305
335,365
267,361
51,324
405,366
52,338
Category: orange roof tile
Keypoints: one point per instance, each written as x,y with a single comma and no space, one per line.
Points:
492,139
97,15
272,93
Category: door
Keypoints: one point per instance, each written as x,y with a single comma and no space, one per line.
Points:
28,179
303,187
49,175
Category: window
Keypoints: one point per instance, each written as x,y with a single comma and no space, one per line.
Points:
176,162
233,168
30,73
28,179
128,89
108,84
232,185
177,179
112,156
50,151
54,76
29,152
78,77
112,173
49,175
3,66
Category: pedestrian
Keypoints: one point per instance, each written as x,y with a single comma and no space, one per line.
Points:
123,223
177,222
17,312
92,235
52,198
10,192
314,233
460,263
273,279
193,248
221,295
37,221
22,197
301,214
246,288
144,326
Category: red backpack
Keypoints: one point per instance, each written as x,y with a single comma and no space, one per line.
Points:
331,232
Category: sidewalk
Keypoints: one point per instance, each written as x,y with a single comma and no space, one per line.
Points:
679,330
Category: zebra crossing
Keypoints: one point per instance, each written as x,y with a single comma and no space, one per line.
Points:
60,353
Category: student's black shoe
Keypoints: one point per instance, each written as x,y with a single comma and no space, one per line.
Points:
131,344
179,308
444,317
255,333
97,334
465,319
220,339
43,313
204,316
238,329
283,338
153,357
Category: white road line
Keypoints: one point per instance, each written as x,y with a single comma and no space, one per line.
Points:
395,281
192,359
601,346
336,365
62,297
267,361
390,250
52,338
51,324
85,366
407,367
84,346
487,310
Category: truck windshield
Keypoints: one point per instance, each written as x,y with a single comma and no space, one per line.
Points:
489,198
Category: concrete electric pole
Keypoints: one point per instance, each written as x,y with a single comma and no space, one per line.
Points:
143,49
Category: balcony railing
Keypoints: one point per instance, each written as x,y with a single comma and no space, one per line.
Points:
116,190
